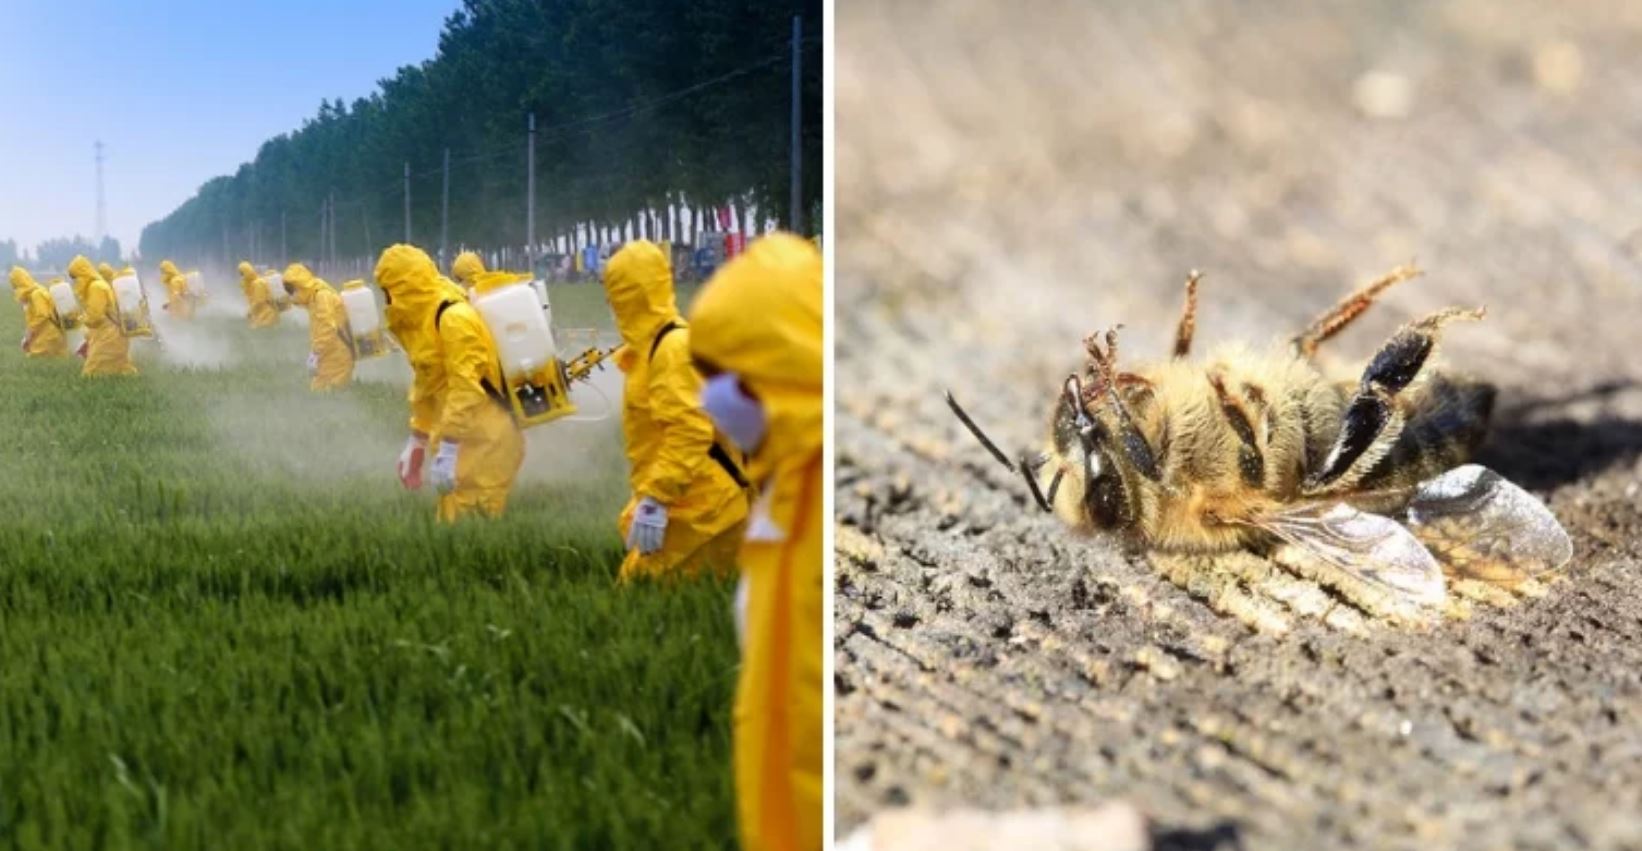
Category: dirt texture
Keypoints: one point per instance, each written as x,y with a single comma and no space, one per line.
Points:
1014,176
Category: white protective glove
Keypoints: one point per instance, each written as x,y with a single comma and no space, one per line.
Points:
444,468
410,461
313,363
649,526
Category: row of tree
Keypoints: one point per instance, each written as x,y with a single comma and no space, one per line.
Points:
641,106
56,253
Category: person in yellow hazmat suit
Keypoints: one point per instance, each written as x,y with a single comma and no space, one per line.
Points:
467,269
689,499
330,350
261,311
42,327
107,350
455,396
179,302
755,332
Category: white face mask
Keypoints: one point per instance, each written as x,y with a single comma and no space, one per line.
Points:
737,414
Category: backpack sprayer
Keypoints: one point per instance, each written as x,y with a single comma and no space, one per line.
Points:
131,305
68,307
536,382
277,296
366,334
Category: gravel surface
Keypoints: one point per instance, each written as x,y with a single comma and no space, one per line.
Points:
1014,176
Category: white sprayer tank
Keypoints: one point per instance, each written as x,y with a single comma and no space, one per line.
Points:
128,292
196,284
62,295
360,303
518,320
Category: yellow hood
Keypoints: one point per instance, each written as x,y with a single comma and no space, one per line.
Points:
168,270
82,273
412,286
467,268
302,284
22,283
247,272
107,271
639,284
760,317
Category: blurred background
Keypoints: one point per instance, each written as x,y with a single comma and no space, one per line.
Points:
1012,177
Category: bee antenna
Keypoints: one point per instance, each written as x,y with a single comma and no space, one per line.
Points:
1028,467
1054,486
979,435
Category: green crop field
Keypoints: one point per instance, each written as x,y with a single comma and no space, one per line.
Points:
223,624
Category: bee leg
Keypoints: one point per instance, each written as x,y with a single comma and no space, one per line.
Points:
1349,308
1372,421
1188,317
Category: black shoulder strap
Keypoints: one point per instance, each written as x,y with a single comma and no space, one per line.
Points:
669,328
717,453
440,313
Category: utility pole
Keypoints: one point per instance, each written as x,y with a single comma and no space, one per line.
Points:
444,212
530,198
102,207
284,256
795,216
324,210
407,203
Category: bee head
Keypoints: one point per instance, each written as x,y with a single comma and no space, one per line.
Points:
1087,484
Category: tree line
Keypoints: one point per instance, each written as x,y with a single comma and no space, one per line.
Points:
55,254
641,107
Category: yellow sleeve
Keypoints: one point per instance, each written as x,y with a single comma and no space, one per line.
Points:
325,326
675,407
427,389
259,292
97,307
42,312
467,361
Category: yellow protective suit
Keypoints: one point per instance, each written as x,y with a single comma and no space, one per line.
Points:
467,268
108,351
107,271
262,312
670,442
453,358
179,301
43,329
760,318
327,328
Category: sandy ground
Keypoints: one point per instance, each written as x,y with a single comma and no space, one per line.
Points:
1014,176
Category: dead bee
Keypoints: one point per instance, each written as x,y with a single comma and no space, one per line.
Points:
1251,449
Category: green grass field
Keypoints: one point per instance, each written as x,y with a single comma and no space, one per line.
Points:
224,625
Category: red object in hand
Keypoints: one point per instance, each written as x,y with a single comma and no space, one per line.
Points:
84,347
410,464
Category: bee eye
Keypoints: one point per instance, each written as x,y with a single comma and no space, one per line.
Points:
1103,496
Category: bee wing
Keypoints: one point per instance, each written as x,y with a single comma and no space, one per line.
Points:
1484,527
1371,547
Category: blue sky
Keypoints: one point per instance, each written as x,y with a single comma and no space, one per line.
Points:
179,92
